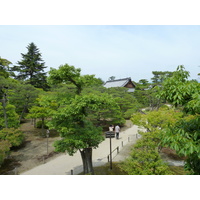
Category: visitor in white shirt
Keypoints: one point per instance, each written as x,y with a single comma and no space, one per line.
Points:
117,130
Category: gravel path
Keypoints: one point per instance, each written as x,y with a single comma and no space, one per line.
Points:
65,164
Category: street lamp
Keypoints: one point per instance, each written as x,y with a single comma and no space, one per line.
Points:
47,135
110,134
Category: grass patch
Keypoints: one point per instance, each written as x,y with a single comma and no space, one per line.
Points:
116,170
105,169
178,170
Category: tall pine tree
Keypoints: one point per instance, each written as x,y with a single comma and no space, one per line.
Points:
31,68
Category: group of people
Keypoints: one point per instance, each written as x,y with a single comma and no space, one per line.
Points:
115,129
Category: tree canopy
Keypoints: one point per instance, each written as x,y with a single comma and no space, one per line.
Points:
184,136
31,68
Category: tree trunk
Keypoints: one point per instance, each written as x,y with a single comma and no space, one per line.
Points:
34,122
24,109
86,155
43,127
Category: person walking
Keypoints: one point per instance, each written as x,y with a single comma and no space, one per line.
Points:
117,130
111,128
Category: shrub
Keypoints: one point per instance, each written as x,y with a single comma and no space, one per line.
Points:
4,150
39,124
14,136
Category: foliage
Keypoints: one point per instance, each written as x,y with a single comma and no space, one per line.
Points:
184,136
58,96
73,119
42,110
78,137
156,120
31,68
177,89
40,124
125,100
145,94
23,97
12,117
69,74
6,86
145,159
4,150
160,76
74,125
7,111
112,78
4,67
39,112
14,136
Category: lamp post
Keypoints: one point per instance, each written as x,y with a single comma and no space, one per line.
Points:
110,134
47,135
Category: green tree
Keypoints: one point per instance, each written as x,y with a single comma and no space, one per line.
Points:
69,74
73,119
125,100
4,67
156,120
31,68
42,110
9,137
14,136
144,159
8,117
145,93
7,111
76,129
184,136
23,98
160,76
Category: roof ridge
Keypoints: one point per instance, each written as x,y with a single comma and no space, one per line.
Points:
119,79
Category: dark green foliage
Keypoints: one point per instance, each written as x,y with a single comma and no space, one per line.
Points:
145,94
79,138
76,118
12,118
70,75
4,67
160,76
39,124
31,68
125,100
23,97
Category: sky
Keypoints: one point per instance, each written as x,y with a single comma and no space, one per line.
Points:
107,50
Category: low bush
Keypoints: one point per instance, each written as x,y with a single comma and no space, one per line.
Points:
39,124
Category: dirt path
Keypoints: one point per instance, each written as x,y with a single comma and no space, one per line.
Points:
32,153
34,150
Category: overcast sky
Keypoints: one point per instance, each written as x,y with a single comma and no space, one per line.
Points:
104,50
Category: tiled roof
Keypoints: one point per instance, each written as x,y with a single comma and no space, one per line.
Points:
117,83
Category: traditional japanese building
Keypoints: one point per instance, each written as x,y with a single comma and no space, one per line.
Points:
126,82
